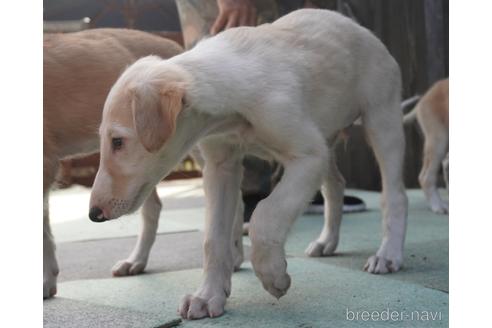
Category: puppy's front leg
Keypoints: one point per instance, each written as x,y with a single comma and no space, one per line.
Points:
237,248
222,176
136,262
274,216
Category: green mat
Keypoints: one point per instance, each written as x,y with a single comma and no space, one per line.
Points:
320,296
324,290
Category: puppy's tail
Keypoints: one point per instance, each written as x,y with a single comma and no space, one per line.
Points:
410,115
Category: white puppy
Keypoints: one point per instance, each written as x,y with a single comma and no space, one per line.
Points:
283,90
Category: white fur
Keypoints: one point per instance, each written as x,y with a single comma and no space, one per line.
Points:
285,91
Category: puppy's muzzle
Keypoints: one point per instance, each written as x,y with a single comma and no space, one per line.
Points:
96,214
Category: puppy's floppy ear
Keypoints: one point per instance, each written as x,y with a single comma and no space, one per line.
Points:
155,112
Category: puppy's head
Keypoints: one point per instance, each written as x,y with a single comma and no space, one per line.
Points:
138,123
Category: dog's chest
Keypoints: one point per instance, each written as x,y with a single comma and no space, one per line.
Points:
245,136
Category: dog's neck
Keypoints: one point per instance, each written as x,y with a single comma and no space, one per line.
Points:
192,125
209,109
214,80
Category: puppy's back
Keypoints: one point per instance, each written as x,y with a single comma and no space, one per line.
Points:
138,43
108,45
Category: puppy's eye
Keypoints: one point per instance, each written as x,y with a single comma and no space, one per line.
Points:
117,143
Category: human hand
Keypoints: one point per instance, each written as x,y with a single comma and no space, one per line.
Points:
233,13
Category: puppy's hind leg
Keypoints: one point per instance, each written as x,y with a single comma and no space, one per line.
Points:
50,265
136,262
384,129
445,170
435,150
237,247
332,189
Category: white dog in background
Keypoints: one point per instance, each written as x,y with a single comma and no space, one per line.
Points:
432,114
283,90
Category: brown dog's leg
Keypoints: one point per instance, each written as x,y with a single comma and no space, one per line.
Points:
50,265
435,151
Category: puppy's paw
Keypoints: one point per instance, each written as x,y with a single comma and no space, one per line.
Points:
379,265
276,284
128,268
238,258
49,288
198,307
318,249
440,208
49,282
270,267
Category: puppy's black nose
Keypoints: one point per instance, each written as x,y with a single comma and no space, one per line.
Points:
96,214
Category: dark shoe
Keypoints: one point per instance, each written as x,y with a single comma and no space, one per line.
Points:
250,202
351,204
317,205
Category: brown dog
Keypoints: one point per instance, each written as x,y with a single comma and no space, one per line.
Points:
432,114
79,70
